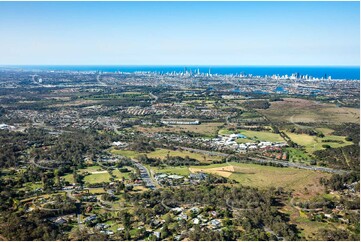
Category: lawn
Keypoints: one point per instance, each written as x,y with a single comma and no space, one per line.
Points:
96,190
97,178
178,170
242,141
91,169
225,132
119,175
69,178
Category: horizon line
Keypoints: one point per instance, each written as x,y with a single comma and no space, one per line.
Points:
182,65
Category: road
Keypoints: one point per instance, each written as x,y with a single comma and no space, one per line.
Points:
268,230
205,152
153,96
227,119
100,82
300,166
145,175
263,160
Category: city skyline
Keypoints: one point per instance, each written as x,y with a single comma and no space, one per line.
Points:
180,33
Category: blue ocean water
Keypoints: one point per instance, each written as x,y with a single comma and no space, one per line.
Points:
336,72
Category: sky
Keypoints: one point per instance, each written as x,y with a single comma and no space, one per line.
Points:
180,33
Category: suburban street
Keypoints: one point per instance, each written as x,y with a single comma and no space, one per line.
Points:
145,175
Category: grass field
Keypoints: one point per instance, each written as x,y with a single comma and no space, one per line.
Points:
297,110
204,129
162,153
126,153
314,143
96,190
119,175
297,155
69,178
242,141
325,131
91,169
97,178
253,135
179,170
267,176
32,185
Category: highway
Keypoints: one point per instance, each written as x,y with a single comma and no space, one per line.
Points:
264,160
103,84
205,152
300,166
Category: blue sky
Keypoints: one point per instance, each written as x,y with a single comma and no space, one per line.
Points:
180,33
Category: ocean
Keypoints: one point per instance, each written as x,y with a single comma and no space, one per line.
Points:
336,72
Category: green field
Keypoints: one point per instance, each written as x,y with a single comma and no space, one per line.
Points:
127,153
97,178
92,178
96,190
253,135
297,155
69,178
91,169
179,170
32,186
266,176
242,141
314,143
119,175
